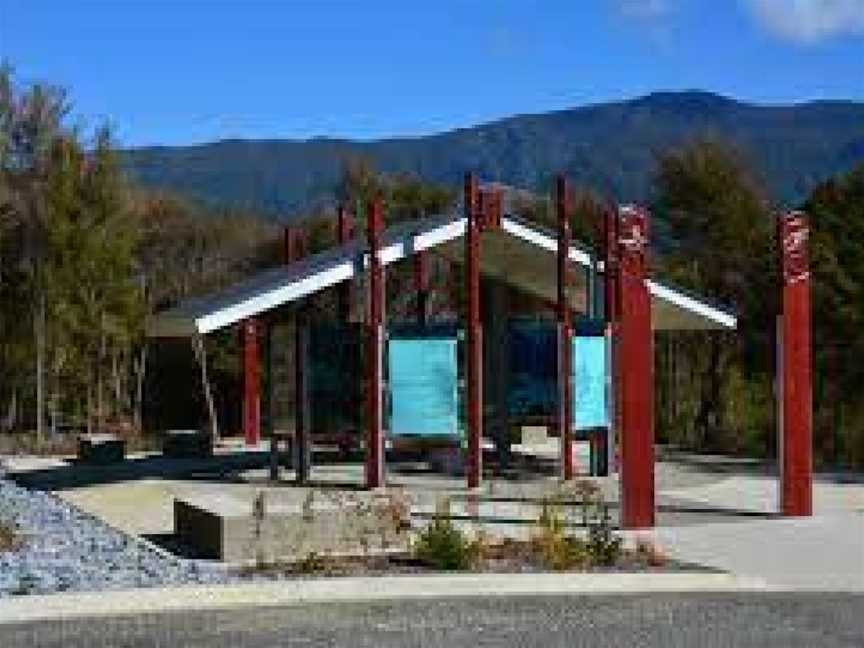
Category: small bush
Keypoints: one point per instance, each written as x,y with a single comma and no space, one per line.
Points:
9,538
556,549
312,563
604,545
441,545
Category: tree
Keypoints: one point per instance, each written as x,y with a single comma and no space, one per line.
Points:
719,226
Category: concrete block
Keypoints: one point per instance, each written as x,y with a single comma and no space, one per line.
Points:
187,444
234,529
101,449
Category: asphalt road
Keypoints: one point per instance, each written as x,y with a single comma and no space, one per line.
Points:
665,621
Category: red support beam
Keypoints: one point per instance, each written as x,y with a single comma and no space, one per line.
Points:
795,374
609,246
421,286
375,330
636,360
474,333
565,330
251,381
344,232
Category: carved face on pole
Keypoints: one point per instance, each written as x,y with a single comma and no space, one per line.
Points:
794,235
633,241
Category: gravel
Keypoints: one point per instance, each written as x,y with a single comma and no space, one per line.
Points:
65,549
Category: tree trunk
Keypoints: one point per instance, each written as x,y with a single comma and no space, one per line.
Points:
39,332
201,356
140,372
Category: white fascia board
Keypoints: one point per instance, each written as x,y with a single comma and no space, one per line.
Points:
327,277
275,297
541,240
693,305
417,242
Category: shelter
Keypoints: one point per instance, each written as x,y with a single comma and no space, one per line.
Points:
608,299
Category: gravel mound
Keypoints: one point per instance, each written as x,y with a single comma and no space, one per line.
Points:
65,549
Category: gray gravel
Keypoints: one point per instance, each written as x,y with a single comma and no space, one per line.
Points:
65,549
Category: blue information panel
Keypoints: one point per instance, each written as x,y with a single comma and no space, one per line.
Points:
589,382
423,387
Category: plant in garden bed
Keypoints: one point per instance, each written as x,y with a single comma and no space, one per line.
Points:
556,549
9,537
442,545
560,551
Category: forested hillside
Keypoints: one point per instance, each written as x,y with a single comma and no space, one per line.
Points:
612,148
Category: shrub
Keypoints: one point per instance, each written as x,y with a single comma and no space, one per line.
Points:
442,545
9,538
556,549
604,545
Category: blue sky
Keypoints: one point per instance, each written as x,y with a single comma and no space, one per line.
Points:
181,71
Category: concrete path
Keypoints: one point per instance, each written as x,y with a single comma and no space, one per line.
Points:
825,552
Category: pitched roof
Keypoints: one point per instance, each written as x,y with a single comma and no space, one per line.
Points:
510,253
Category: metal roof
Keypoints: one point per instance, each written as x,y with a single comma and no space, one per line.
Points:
509,253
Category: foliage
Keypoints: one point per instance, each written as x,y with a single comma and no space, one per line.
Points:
9,537
558,550
604,545
561,550
444,546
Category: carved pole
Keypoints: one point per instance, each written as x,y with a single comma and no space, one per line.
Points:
795,374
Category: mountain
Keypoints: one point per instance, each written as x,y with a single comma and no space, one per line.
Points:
611,147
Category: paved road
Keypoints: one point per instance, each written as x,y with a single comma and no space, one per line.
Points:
665,621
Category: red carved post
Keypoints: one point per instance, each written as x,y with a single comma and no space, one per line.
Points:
795,368
474,333
344,232
251,382
565,331
375,330
636,357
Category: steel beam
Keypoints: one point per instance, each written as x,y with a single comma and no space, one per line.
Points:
474,334
795,374
375,348
635,355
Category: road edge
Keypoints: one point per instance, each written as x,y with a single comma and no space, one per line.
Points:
29,608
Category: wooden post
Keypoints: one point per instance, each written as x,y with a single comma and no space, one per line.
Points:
294,248
303,407
565,330
344,232
794,371
609,247
421,286
249,331
375,344
636,378
474,334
